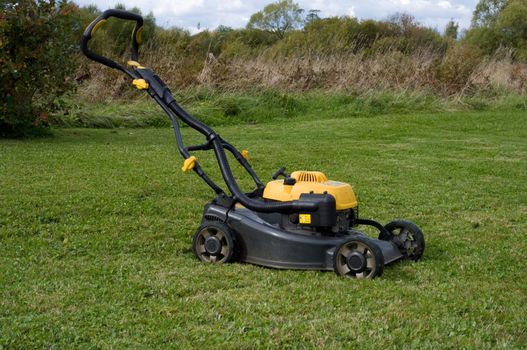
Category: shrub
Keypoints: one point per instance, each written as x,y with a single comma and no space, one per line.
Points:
37,45
457,66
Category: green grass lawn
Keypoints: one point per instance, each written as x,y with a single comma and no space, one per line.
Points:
96,228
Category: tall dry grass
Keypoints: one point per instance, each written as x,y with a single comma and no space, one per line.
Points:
460,71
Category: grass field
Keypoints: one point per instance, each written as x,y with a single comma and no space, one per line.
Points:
96,227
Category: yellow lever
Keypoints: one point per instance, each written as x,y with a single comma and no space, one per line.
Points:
135,64
189,164
245,154
141,84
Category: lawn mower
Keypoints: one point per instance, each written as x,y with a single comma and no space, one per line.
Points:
299,220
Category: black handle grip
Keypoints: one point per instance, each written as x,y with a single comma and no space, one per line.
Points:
279,172
98,22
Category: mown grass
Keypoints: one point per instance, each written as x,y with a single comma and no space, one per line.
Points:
96,226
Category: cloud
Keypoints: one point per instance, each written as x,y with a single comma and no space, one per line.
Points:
431,13
236,13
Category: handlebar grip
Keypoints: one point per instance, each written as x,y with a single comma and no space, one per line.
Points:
98,22
279,172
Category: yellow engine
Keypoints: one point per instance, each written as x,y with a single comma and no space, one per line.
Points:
311,181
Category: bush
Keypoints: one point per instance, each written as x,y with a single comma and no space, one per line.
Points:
457,66
37,45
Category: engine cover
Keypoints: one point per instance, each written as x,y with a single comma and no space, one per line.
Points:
311,182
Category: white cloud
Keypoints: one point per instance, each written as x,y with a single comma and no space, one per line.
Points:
444,4
432,13
236,13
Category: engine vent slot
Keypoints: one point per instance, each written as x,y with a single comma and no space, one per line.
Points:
309,176
212,218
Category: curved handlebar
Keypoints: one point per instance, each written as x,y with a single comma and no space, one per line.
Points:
98,22
162,95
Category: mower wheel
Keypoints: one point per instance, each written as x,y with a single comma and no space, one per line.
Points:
358,257
214,242
407,236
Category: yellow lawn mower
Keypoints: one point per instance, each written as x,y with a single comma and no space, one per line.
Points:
300,220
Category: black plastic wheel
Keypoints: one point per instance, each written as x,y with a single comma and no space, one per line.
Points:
214,242
358,257
407,236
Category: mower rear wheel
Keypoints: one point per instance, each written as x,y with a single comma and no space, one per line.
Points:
407,236
214,242
358,257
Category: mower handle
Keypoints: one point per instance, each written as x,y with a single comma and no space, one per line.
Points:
280,171
98,22
160,92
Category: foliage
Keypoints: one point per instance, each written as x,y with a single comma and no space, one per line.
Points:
498,24
312,15
451,30
486,12
279,17
31,73
173,40
344,35
512,24
327,35
454,71
281,29
336,53
37,46
403,23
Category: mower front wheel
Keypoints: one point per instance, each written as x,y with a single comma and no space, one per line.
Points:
407,236
214,242
358,257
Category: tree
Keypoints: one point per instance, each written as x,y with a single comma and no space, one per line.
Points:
451,30
312,15
512,26
278,18
38,43
486,12
500,23
403,23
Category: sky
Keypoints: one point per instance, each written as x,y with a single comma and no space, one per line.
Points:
210,14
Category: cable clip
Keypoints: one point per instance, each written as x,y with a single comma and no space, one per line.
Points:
189,164
245,154
141,84
135,64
